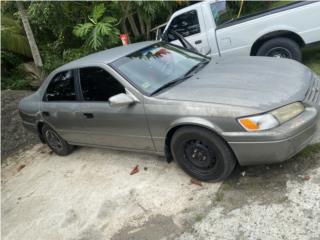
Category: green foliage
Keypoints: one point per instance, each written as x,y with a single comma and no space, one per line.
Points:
13,38
58,26
16,81
311,58
100,31
73,54
10,60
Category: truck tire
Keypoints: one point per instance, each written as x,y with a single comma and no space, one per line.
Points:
202,154
282,48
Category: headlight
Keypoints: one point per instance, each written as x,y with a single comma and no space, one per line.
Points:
271,119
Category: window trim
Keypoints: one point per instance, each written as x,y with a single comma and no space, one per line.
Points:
44,97
80,88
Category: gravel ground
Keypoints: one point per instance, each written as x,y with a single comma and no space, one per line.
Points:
14,136
91,195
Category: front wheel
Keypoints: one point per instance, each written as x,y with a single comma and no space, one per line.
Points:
56,142
280,48
202,154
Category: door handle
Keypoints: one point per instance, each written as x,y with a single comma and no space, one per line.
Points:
46,114
88,115
198,42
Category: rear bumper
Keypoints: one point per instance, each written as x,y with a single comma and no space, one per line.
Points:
276,145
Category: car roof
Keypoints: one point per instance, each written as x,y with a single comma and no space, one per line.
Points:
106,56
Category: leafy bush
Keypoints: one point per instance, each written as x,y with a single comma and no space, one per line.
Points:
16,81
100,31
73,54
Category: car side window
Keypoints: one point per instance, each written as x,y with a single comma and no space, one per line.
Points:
228,11
186,24
98,85
61,87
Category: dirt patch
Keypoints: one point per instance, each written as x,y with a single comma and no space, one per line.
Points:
259,202
14,136
90,194
266,184
154,228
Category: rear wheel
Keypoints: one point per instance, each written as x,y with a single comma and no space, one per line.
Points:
202,154
280,48
55,141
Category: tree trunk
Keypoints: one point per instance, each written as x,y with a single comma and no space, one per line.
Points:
148,25
133,25
32,42
142,28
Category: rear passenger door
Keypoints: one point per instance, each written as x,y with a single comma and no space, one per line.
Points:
191,26
60,106
106,125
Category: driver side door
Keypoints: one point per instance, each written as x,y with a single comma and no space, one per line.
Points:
191,26
106,125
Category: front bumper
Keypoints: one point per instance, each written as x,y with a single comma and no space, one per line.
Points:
29,126
277,145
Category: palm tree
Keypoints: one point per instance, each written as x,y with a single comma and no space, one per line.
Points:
32,42
99,31
13,38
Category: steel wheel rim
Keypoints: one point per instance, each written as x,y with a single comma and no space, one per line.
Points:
54,140
199,155
279,52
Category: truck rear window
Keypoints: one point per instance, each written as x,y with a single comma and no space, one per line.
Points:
228,11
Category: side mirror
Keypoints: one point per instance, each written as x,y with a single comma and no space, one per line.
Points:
121,100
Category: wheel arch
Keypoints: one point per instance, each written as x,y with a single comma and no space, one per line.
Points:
192,122
40,124
274,34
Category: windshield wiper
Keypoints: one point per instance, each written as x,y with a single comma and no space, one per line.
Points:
170,83
196,67
184,77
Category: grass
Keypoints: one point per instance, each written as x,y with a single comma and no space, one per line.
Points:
311,58
219,196
198,218
309,150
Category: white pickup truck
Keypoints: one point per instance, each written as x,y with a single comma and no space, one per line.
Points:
220,28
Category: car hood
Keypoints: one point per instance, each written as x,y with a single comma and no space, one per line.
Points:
257,82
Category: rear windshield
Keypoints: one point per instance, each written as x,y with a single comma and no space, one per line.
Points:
228,11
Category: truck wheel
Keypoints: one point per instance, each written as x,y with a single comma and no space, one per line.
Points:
55,142
281,48
202,154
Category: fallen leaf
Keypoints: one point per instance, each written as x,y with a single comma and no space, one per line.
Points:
306,178
135,170
20,167
196,182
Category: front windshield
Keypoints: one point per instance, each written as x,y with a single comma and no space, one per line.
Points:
152,67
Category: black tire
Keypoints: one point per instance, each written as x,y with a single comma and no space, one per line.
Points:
60,147
202,154
281,47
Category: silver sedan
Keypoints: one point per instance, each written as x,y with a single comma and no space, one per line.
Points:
206,114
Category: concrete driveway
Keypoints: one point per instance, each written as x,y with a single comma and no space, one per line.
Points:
91,195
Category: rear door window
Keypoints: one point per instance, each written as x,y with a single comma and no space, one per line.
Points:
186,24
61,87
